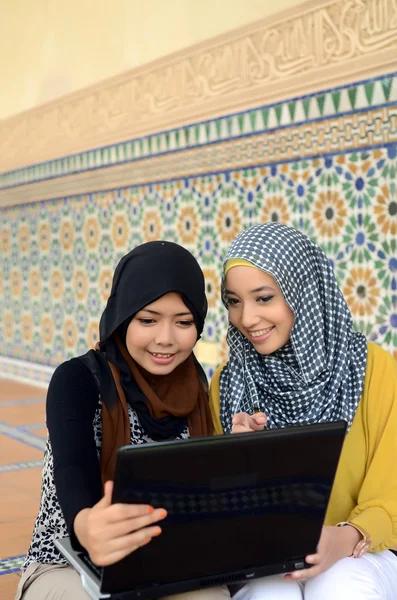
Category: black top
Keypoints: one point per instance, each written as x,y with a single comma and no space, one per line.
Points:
71,475
72,400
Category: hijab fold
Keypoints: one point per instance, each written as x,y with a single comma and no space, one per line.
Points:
318,376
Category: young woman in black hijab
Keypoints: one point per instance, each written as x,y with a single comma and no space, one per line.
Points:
141,384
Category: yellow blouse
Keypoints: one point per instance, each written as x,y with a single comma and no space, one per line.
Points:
365,487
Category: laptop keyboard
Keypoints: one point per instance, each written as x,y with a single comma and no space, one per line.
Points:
87,561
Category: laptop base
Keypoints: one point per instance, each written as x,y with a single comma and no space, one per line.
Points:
91,577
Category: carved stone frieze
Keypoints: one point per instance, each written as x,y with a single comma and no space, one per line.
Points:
319,42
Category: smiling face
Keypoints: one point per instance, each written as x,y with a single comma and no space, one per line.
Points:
162,335
258,309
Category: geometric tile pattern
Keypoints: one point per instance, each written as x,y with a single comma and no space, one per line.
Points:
32,426
11,565
352,99
20,478
21,435
22,402
57,256
31,464
23,371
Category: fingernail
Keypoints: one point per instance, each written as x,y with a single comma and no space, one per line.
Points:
162,513
149,539
157,532
150,509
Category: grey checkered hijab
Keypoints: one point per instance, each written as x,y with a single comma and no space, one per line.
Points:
318,375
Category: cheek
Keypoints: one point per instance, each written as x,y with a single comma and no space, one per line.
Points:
135,338
131,347
233,316
289,318
188,341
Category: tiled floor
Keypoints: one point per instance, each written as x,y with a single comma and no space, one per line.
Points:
22,440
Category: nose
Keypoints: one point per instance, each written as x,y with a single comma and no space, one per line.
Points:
249,316
164,334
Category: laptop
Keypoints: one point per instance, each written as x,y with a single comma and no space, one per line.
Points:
239,507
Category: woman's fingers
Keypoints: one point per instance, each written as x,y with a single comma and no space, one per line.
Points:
124,512
241,419
117,548
240,429
304,573
139,523
134,539
313,559
115,529
240,423
106,499
259,419
103,560
243,422
118,512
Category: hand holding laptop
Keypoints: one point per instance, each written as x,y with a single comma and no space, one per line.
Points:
109,532
244,423
335,543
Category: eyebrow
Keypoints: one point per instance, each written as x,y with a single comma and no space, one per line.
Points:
153,312
259,289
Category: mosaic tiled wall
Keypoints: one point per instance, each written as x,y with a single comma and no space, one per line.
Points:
326,164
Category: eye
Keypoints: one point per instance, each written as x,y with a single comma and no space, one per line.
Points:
146,321
265,299
231,301
186,323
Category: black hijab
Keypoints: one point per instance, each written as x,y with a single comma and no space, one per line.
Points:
143,276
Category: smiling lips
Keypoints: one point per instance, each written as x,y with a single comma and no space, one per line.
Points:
161,359
261,334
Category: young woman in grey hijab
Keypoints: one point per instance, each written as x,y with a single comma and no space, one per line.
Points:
295,359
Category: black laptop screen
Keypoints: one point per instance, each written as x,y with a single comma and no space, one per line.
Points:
235,505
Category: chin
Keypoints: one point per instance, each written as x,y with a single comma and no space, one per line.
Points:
160,369
265,351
